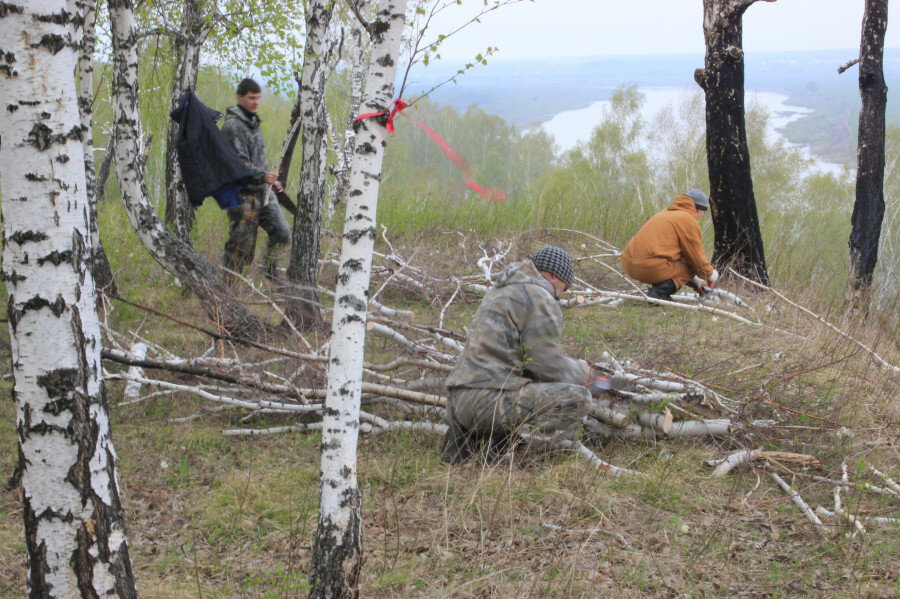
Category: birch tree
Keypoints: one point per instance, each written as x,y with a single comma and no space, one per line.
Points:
868,210
738,240
336,558
307,222
172,253
344,153
187,45
87,13
74,521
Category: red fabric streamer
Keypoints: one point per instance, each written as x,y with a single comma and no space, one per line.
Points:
490,193
398,106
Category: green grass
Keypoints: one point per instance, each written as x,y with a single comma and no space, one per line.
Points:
217,516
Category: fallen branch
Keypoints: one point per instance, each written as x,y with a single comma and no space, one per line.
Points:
795,497
878,359
591,531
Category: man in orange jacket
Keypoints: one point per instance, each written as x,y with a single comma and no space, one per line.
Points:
667,252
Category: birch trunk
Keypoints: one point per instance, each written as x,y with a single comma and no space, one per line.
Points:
357,77
87,9
172,253
293,134
868,210
738,240
179,212
302,270
74,521
336,556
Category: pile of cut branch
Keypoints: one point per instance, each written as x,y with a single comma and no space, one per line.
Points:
246,380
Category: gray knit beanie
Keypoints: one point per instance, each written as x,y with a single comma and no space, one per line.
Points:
556,261
701,200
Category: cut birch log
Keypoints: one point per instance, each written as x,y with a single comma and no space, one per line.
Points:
133,387
736,459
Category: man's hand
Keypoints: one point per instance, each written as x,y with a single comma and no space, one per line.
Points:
271,178
713,278
697,283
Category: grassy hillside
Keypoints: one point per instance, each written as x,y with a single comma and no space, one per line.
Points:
214,516
221,517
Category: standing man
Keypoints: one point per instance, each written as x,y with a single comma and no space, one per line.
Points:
513,374
667,252
242,131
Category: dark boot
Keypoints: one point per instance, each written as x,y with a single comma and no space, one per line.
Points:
456,448
495,447
272,271
662,291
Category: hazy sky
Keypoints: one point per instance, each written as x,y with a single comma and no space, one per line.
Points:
555,28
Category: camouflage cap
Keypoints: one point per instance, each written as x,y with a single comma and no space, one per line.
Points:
556,261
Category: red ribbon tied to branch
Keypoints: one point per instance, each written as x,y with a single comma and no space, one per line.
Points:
490,193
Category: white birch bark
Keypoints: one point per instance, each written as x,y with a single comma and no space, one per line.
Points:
336,556
357,77
188,43
171,252
86,11
74,521
303,267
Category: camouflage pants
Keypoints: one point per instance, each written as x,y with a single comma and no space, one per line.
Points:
242,228
551,409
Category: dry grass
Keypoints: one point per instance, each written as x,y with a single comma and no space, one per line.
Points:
210,516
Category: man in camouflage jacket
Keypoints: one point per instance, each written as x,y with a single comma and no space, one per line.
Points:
513,376
242,130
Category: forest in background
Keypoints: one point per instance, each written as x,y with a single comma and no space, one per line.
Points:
628,170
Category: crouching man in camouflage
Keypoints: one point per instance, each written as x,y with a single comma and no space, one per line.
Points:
513,375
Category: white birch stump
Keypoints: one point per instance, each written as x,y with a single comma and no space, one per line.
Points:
74,521
337,556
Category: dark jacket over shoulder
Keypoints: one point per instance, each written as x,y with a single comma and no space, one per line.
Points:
208,162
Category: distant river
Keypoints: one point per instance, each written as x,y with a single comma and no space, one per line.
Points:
573,126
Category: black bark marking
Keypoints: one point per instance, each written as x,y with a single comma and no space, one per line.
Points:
40,136
37,553
385,61
336,563
9,59
60,18
52,41
12,108
366,148
22,237
353,302
13,277
354,264
6,8
356,234
35,303
60,382
56,258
